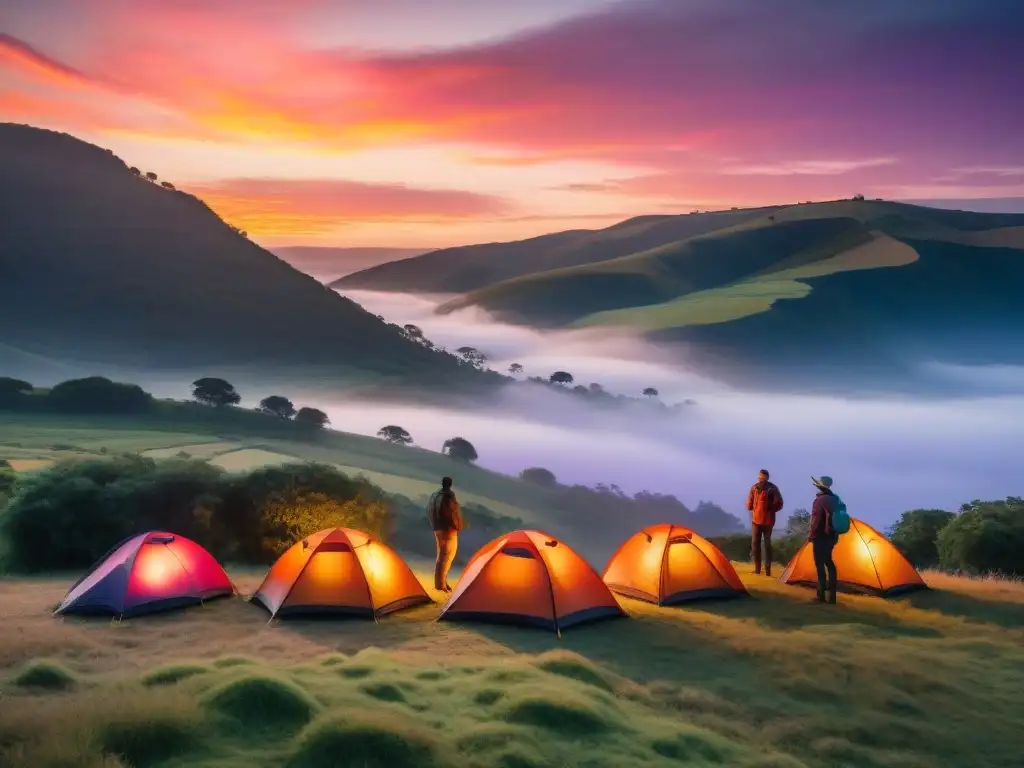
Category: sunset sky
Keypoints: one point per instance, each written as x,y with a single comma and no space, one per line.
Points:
436,122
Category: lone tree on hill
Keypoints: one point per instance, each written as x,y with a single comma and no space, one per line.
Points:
515,369
561,377
413,331
166,185
215,392
277,405
650,392
460,449
313,418
545,478
135,171
858,197
392,433
473,356
151,176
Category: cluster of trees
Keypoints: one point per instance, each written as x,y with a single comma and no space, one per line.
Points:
983,536
153,178
68,516
100,395
218,393
458,448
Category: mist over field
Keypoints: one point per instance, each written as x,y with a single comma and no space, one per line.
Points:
886,456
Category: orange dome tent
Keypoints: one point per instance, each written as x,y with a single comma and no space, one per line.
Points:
339,570
527,577
667,564
866,562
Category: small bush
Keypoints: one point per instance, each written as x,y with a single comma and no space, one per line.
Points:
46,675
365,743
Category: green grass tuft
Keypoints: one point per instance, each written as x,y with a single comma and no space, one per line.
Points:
558,710
264,704
333,660
172,674
690,746
356,672
232,661
47,675
384,692
574,667
488,696
364,743
151,740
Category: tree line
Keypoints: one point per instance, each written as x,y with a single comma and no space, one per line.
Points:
100,395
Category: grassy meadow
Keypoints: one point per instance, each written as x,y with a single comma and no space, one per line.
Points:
771,681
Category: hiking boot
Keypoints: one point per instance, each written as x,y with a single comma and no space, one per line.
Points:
768,572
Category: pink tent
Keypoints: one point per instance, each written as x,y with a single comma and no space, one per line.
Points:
150,572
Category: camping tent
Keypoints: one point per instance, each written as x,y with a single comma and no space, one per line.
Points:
865,561
667,564
149,572
339,570
527,577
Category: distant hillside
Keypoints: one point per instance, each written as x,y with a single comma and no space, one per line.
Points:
327,264
883,285
98,265
470,267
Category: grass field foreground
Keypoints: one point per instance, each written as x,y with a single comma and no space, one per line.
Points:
771,681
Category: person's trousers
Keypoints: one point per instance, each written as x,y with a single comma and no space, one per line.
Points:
447,546
826,567
760,532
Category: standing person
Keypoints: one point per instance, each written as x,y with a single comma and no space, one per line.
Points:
764,502
446,522
824,538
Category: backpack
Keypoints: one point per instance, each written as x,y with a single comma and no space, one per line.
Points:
840,518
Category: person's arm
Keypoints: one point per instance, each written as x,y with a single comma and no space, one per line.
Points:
816,512
456,514
750,500
778,499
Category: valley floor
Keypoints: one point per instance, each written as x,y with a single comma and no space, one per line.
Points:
774,681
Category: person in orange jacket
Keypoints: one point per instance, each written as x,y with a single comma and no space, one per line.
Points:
764,502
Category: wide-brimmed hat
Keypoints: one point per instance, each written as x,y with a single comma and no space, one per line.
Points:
822,482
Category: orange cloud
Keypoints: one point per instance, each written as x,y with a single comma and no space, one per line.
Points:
279,208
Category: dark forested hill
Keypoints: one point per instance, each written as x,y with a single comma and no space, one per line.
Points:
100,265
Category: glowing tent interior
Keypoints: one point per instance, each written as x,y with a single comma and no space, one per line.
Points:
527,577
667,564
149,572
865,561
339,570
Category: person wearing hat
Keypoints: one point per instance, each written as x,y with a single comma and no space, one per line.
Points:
823,538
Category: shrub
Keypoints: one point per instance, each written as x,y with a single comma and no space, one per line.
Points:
916,534
71,514
97,394
460,449
985,536
544,478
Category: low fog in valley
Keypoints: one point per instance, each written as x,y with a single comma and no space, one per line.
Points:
886,456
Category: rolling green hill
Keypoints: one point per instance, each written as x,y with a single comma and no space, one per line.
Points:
882,285
102,267
468,268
